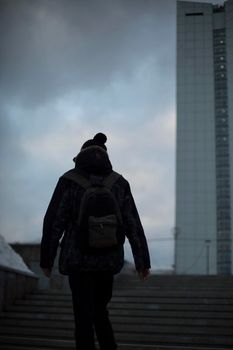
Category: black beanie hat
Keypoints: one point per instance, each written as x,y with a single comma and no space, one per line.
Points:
98,140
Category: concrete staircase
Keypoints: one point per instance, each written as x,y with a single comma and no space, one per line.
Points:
165,312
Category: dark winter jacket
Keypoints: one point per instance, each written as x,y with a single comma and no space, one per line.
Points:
64,207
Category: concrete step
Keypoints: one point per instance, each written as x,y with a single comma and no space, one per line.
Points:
54,322
152,291
36,342
179,281
38,328
123,338
173,292
66,321
40,295
122,347
151,313
43,301
38,316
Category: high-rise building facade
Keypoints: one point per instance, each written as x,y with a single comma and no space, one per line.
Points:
204,145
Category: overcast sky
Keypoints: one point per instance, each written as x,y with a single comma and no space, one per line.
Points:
70,69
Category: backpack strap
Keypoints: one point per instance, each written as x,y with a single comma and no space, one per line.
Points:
78,178
108,181
111,179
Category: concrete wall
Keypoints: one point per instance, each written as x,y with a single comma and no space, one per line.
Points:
31,255
14,284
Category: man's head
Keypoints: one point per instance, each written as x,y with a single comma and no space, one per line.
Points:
93,157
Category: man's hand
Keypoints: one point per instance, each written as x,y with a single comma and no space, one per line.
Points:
47,272
143,275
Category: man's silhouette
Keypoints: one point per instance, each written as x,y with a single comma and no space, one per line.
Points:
90,270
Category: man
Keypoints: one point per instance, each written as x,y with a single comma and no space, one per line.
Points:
91,270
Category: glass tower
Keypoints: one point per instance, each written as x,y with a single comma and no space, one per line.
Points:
204,149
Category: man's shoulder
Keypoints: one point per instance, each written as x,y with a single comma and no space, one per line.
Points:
121,180
67,173
71,174
65,178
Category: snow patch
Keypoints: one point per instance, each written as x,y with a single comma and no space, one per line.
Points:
10,259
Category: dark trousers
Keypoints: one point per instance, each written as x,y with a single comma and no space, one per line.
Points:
91,292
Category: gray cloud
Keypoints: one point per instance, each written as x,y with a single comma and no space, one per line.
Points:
51,47
70,68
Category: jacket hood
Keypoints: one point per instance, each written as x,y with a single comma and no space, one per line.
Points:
93,160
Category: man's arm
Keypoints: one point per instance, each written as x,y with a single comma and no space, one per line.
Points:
135,234
54,224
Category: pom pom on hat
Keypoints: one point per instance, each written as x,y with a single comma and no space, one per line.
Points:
98,140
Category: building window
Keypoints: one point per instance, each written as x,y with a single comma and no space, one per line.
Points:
194,14
223,200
